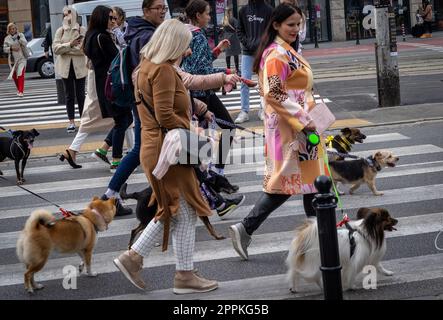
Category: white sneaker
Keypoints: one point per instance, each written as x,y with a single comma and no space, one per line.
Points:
242,117
20,94
261,115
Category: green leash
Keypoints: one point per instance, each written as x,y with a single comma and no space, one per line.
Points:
340,204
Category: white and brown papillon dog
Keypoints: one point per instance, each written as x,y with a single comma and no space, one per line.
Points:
367,247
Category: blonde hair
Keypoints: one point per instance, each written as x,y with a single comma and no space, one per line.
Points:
168,43
227,16
9,27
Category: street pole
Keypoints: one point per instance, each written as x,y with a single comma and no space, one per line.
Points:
388,79
56,15
325,204
358,32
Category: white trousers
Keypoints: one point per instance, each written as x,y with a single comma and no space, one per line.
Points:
81,136
183,237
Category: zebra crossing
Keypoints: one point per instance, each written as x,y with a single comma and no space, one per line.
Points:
413,194
39,106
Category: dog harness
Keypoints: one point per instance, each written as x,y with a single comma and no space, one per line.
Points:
352,243
345,222
14,141
372,163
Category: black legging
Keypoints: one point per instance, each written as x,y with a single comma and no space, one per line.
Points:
236,61
219,110
116,136
267,203
74,88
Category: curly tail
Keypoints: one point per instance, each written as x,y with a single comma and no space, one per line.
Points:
37,220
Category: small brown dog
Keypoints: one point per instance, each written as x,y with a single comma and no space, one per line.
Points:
356,172
77,234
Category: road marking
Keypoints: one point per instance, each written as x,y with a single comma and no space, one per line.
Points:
204,251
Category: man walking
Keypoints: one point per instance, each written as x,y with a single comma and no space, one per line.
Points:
253,19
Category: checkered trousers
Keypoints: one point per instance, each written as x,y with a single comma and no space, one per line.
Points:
183,237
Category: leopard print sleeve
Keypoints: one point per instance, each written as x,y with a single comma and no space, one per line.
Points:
276,90
278,68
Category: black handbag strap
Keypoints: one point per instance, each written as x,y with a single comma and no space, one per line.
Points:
150,109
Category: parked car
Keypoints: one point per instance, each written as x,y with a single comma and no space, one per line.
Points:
37,62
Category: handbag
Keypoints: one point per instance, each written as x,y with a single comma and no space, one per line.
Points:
322,117
195,150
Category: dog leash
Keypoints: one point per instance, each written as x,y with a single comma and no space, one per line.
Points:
236,126
65,213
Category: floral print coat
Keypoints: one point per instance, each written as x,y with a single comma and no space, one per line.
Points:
286,80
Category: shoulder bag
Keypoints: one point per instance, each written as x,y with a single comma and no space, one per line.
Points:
196,149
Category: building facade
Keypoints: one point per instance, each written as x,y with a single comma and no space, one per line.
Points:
327,20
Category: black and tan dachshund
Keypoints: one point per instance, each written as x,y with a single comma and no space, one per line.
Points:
17,147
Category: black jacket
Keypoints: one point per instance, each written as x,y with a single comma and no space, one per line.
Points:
101,55
138,33
253,19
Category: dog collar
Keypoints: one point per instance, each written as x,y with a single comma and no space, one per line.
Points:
344,143
372,163
100,217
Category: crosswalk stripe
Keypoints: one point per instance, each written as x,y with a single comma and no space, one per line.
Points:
291,207
204,251
76,184
275,287
258,150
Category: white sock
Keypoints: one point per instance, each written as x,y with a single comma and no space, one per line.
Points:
112,194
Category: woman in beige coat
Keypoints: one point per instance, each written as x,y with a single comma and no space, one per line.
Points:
15,46
71,62
178,208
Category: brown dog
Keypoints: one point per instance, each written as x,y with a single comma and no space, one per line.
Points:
356,172
77,234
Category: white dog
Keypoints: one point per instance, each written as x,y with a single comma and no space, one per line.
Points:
370,246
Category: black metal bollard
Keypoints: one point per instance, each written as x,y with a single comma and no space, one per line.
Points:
325,204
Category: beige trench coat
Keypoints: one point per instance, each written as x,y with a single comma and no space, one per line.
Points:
16,59
91,119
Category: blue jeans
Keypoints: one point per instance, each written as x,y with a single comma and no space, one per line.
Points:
131,161
246,72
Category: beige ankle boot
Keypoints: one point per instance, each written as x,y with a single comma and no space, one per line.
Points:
131,265
190,282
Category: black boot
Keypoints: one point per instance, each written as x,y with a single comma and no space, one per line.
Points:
121,210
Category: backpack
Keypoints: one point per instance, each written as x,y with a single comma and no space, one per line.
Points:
118,86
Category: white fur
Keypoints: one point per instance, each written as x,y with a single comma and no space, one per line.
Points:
309,269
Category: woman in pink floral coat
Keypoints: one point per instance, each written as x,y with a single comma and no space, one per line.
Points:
291,165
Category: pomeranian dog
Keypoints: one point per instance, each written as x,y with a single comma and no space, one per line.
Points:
76,234
357,172
367,248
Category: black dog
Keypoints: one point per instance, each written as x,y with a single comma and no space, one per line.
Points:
145,214
220,184
343,142
18,148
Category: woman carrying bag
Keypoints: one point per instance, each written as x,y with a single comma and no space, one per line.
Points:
177,193
291,163
15,46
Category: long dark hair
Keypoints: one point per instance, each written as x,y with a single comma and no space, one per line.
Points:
194,7
280,14
99,19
